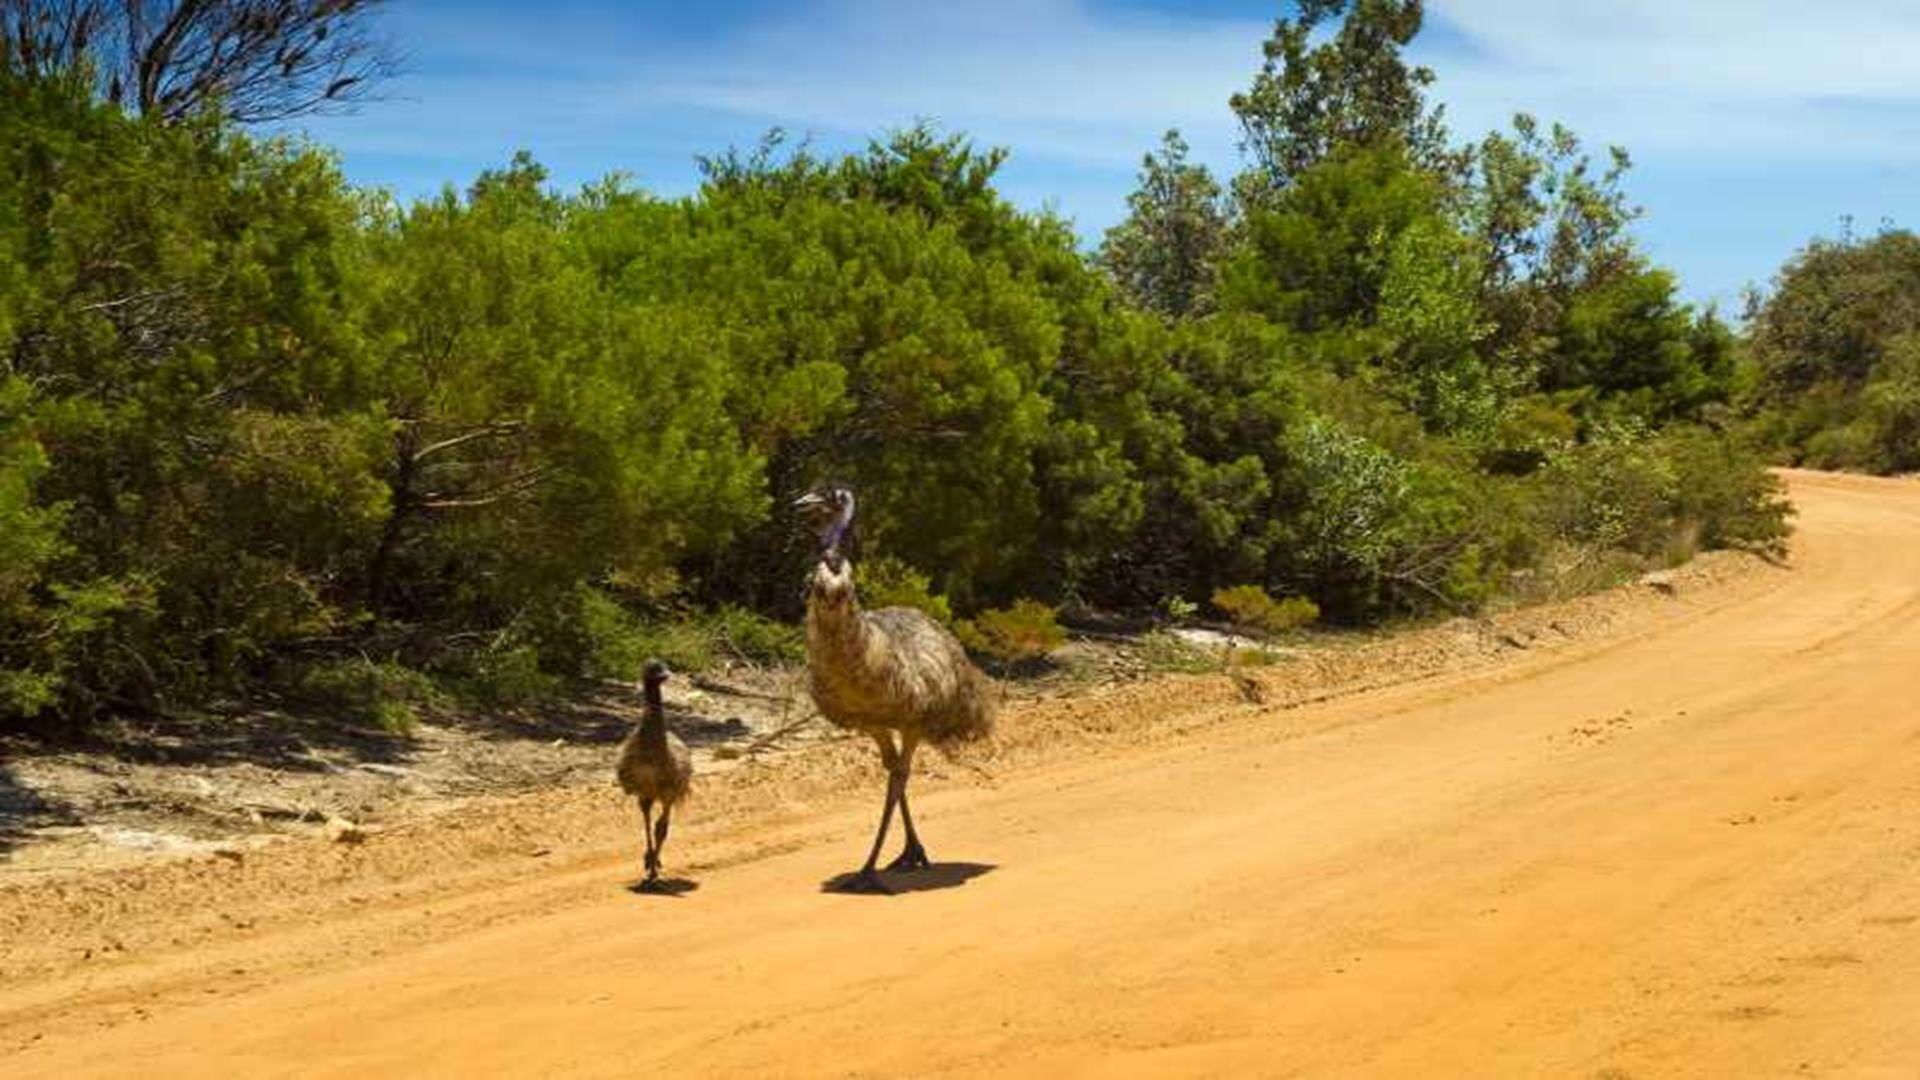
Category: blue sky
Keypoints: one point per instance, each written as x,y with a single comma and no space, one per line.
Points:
1754,124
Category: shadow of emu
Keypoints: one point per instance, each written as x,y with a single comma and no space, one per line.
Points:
663,887
940,876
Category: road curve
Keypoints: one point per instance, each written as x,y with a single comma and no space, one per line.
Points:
1690,852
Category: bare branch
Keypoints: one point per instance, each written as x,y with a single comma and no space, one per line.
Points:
252,61
492,431
517,485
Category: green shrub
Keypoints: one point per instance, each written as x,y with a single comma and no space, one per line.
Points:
754,637
1028,630
505,678
1251,608
1844,446
1892,405
1722,495
595,636
370,692
684,644
1617,490
697,642
890,582
598,638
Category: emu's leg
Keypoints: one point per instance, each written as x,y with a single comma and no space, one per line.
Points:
914,857
868,879
660,836
651,863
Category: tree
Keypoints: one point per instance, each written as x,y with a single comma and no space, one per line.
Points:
1834,348
1310,258
1355,89
174,302
1834,309
1551,227
1165,254
1631,340
253,61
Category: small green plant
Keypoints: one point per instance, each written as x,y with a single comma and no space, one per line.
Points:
383,695
1028,630
1178,608
889,582
1252,609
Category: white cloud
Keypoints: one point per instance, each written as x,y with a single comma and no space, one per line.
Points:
1049,77
1761,79
1758,49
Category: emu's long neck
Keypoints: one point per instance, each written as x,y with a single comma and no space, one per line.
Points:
833,608
653,720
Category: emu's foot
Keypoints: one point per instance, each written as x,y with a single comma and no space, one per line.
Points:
648,884
866,881
914,858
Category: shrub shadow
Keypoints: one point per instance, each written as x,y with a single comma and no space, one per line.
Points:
22,809
283,740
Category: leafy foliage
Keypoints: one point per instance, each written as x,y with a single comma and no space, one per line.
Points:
1836,348
1164,254
1027,630
258,426
889,582
1310,100
370,693
1251,606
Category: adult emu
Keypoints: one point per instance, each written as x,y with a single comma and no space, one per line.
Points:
654,767
888,673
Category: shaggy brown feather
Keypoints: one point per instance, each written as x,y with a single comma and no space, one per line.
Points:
655,768
893,669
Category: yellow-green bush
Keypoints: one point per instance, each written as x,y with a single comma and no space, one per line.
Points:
1250,607
1028,630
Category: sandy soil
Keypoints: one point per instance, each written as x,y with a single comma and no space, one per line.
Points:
1674,831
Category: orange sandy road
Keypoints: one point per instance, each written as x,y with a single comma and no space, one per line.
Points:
1691,853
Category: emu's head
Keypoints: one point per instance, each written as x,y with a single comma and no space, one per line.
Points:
829,511
654,673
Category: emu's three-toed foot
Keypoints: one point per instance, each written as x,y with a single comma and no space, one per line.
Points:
913,858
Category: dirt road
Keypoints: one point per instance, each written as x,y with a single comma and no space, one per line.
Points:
1689,851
